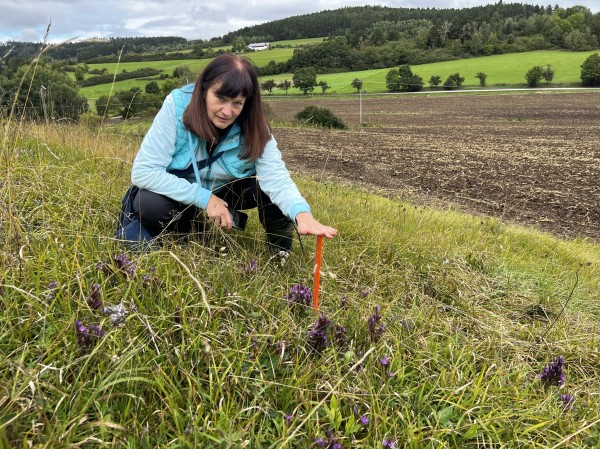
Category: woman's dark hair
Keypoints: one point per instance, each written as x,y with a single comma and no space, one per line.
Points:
234,76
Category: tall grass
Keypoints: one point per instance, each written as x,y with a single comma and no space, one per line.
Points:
472,312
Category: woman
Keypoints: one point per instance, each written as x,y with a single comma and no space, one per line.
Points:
217,123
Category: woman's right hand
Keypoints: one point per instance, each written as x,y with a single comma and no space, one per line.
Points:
218,213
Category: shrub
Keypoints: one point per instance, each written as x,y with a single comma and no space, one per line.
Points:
590,71
320,117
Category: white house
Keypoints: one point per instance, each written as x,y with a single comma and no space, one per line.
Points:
258,46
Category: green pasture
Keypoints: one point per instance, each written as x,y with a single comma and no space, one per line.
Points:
506,70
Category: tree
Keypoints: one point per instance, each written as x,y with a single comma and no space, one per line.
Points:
323,85
407,81
548,74
268,85
41,93
435,80
152,88
392,80
305,79
79,73
534,76
184,73
239,45
482,77
284,85
454,80
590,70
357,84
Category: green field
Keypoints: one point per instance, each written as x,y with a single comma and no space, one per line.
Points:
503,70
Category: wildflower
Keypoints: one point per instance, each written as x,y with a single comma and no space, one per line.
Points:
299,294
364,420
340,336
95,298
365,292
52,286
554,373
87,336
567,401
388,443
251,266
125,265
150,279
103,266
376,329
288,420
344,302
385,362
317,336
319,442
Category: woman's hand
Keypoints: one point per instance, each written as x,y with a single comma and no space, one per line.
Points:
217,212
307,225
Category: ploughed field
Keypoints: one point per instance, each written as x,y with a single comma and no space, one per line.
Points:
532,159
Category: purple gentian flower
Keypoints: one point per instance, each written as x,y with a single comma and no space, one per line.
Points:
554,373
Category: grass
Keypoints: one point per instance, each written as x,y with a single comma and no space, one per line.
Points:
472,308
503,71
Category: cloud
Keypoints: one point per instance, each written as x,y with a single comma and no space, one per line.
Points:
27,20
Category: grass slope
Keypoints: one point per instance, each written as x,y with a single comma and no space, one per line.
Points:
503,71
211,355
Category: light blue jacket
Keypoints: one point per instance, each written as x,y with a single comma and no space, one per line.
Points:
168,146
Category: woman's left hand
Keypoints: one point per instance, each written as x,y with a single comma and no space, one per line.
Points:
307,225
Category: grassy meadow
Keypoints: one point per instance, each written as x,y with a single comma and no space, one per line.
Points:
506,70
434,326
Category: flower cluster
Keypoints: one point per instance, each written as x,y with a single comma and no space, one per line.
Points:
554,373
340,334
94,301
317,335
330,442
299,294
125,265
87,336
388,443
376,329
567,401
251,266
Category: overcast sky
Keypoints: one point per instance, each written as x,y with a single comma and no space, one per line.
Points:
28,20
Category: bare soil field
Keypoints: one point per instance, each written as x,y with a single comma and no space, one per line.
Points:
532,159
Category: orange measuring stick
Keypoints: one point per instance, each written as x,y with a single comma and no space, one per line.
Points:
317,281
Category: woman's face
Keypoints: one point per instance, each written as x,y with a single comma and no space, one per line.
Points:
222,111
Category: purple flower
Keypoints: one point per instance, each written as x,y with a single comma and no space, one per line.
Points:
87,336
376,329
364,420
385,362
288,420
554,373
344,302
388,443
319,442
95,299
299,294
125,265
340,335
567,401
317,335
365,292
251,266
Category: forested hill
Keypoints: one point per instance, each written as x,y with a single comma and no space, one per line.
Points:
447,22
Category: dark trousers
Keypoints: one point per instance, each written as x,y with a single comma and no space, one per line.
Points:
158,213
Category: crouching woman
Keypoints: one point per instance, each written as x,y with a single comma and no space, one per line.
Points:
210,149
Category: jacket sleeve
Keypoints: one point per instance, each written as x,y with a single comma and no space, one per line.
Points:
276,182
149,169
